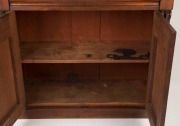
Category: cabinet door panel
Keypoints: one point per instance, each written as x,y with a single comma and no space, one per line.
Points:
162,49
4,5
11,83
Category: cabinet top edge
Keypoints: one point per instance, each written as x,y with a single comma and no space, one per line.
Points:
48,5
85,6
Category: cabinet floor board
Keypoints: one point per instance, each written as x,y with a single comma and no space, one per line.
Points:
127,93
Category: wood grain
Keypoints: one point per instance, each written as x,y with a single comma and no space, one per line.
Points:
84,5
7,82
107,88
44,26
84,112
159,79
166,4
4,5
85,93
126,25
55,52
11,84
122,6
85,26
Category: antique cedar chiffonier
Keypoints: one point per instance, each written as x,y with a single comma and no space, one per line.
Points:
85,59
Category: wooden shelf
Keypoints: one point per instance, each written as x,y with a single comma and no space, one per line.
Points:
77,52
86,93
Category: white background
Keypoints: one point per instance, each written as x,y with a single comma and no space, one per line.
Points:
173,110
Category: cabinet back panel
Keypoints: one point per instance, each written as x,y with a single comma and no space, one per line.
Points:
126,25
86,71
47,26
60,71
84,25
124,71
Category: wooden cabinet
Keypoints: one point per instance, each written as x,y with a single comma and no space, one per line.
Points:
83,59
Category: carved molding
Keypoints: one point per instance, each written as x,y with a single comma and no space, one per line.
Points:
167,14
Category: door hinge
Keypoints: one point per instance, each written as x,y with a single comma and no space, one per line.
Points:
2,13
167,14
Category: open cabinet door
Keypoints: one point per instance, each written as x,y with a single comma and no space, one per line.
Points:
11,82
162,49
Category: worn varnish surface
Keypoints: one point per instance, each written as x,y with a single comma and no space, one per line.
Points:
11,85
166,4
77,52
7,82
67,26
84,4
91,5
86,93
160,69
73,31
4,5
86,25
44,26
84,112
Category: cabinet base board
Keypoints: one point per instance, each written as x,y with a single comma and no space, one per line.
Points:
103,112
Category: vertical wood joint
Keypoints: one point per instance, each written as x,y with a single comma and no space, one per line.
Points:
167,14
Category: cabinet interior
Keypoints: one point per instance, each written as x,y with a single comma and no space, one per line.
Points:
65,63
